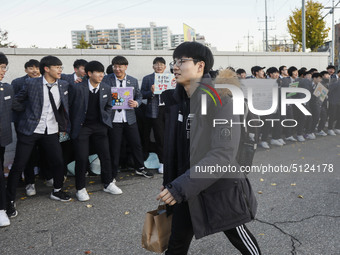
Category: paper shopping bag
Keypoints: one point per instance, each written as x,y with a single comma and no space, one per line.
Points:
156,230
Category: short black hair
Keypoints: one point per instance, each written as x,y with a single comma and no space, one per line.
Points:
240,71
197,51
281,69
323,73
302,71
109,69
291,70
31,63
316,75
312,70
94,66
3,59
79,62
119,60
49,61
330,67
160,60
271,70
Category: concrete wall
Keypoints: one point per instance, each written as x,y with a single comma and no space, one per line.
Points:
140,62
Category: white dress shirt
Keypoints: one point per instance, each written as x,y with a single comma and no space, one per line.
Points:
47,119
91,87
120,117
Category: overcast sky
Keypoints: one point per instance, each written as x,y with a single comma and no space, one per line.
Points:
224,23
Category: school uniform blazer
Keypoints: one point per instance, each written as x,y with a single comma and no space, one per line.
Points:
137,96
69,78
153,100
79,98
6,100
32,96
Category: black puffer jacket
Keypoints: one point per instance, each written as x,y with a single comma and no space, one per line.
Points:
223,201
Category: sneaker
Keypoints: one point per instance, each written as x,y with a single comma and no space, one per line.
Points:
337,131
60,196
321,133
82,195
160,169
311,136
331,132
300,138
49,183
11,210
290,138
30,190
264,145
4,220
282,141
143,172
275,142
113,189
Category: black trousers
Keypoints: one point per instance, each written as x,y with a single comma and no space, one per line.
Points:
334,115
2,180
131,134
25,144
288,131
157,126
98,134
323,117
300,119
182,233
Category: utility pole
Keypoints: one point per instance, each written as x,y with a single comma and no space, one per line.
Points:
265,34
304,26
248,37
331,11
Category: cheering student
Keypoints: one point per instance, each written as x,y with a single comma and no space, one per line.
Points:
124,121
91,116
6,98
202,206
46,113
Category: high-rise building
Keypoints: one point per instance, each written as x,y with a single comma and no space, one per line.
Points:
143,38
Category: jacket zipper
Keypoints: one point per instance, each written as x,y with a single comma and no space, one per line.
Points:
247,202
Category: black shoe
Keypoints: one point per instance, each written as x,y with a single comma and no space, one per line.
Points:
11,210
145,173
60,196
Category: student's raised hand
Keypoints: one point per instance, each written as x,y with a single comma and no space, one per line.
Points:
78,80
166,197
132,103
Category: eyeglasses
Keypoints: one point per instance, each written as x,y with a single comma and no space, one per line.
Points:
159,65
4,68
180,61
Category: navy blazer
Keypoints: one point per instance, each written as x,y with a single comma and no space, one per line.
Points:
69,78
153,100
110,79
6,101
79,97
18,83
32,95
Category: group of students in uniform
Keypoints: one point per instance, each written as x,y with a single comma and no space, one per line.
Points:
325,112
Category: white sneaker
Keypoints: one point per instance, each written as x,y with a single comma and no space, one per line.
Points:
49,183
282,141
113,189
321,133
160,169
290,138
337,131
300,138
311,136
82,195
275,142
4,220
30,190
264,145
331,132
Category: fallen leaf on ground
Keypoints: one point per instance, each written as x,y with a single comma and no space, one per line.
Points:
90,193
127,212
91,182
87,252
23,198
89,206
261,234
261,180
300,196
260,192
273,184
293,184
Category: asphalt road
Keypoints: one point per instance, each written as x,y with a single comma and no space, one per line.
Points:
298,212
